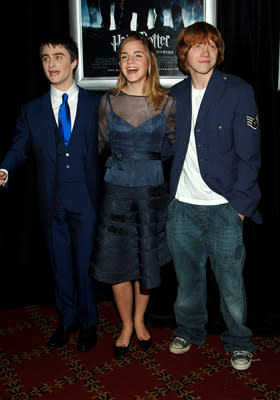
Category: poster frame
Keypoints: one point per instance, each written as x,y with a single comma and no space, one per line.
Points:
105,83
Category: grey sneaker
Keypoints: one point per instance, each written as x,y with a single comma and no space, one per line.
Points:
179,345
241,359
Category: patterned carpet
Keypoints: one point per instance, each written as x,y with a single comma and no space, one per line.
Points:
29,371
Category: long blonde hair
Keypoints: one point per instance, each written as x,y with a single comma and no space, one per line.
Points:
153,90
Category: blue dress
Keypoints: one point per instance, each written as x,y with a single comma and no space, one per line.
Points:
131,239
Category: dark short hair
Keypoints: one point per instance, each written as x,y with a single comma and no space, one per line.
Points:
199,32
67,42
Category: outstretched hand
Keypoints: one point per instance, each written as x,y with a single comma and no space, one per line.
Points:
3,177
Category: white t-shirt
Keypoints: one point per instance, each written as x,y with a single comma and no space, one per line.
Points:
191,187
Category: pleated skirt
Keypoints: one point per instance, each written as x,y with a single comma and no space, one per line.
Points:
131,238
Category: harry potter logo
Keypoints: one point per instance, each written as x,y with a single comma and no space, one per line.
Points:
159,41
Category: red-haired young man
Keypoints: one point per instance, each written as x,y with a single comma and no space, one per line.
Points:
213,188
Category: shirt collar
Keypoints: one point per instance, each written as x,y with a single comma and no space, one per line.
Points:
56,94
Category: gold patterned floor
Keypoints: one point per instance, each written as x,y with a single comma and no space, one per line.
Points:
28,370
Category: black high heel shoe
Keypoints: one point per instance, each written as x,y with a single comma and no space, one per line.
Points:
145,344
120,350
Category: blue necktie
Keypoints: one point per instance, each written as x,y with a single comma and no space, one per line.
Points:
64,119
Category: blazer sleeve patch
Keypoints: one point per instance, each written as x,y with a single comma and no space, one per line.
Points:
252,122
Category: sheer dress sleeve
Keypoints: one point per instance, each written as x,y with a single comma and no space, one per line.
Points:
103,124
169,139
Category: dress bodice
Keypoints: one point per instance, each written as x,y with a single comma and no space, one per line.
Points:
135,133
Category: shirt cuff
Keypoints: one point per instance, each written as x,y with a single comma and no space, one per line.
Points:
2,169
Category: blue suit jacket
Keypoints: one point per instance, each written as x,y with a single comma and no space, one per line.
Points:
227,140
36,132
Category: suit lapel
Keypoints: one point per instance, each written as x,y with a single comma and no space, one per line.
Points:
80,113
49,126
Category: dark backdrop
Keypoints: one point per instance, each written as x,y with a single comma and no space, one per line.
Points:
250,29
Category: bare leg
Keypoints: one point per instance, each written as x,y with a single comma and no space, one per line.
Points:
124,298
141,302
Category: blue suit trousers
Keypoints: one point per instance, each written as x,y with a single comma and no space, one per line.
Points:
70,245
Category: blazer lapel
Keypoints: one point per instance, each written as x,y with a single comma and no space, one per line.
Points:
184,106
212,94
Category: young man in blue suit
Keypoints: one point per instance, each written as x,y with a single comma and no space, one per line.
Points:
59,128
213,187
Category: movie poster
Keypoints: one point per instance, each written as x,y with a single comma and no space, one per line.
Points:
105,23
99,26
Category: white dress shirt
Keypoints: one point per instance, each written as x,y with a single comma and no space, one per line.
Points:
56,100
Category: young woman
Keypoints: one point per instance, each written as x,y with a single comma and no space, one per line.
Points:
136,122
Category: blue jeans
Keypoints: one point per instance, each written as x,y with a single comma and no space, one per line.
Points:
195,233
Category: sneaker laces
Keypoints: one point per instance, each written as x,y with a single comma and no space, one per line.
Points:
180,341
242,354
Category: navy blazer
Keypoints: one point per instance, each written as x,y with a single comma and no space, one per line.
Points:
227,138
36,132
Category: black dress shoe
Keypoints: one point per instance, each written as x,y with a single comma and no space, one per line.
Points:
145,344
87,338
59,338
120,350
